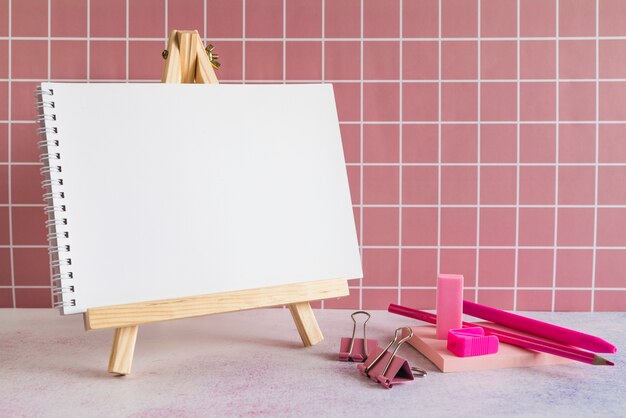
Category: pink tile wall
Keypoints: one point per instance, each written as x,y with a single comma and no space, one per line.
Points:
482,137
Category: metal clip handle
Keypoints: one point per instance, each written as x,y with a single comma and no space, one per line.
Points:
354,332
393,354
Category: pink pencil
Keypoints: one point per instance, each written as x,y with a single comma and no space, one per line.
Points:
538,328
512,338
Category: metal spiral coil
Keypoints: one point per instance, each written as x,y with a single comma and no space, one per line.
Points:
59,250
65,303
56,222
61,262
50,169
55,236
62,290
54,208
51,182
53,195
45,143
49,156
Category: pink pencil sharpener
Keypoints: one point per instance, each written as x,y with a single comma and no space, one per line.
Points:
469,342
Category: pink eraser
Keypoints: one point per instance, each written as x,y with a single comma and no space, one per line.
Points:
469,342
449,303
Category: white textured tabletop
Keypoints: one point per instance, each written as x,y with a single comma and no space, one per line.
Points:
253,364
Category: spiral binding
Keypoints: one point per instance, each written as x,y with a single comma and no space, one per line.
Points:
56,223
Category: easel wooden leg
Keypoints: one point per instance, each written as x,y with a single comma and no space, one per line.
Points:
306,323
121,358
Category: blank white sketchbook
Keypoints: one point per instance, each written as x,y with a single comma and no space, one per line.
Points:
162,191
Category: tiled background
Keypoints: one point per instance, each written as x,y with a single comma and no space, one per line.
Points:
483,137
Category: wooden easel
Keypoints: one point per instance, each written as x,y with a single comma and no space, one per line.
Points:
187,62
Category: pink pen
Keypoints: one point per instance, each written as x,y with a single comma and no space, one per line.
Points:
512,338
538,328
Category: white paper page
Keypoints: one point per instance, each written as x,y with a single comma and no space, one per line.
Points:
180,190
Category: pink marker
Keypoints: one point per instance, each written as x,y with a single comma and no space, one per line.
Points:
449,303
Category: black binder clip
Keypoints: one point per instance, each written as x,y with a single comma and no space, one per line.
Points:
388,368
356,349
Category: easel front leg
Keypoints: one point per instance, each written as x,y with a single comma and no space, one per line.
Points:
121,358
306,323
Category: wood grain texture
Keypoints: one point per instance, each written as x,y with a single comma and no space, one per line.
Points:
162,310
306,323
121,358
204,70
171,69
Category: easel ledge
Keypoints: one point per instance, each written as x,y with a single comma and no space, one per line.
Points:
186,61
119,316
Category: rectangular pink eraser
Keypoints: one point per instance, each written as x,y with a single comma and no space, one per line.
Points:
449,303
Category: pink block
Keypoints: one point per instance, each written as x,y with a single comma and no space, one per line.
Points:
449,303
508,355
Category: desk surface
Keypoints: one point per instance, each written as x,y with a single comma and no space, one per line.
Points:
252,364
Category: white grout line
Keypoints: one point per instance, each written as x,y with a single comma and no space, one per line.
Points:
478,168
517,157
284,41
361,154
556,168
597,172
391,81
331,39
323,73
400,168
204,20
439,138
243,42
88,40
49,75
127,42
9,147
